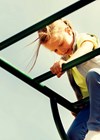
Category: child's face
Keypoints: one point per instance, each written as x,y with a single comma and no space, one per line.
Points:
61,42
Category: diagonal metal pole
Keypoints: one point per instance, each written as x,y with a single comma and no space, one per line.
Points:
69,65
45,90
43,23
41,88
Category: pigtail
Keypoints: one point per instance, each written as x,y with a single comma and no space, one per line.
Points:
44,34
43,37
33,60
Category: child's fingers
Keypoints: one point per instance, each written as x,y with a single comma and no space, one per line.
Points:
60,74
55,69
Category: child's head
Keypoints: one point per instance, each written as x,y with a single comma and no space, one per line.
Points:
57,37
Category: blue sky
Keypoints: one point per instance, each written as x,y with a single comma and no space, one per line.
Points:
25,113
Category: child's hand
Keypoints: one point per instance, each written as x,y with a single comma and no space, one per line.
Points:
57,69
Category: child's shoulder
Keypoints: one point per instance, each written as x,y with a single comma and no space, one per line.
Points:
82,37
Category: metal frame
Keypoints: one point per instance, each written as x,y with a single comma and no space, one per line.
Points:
55,98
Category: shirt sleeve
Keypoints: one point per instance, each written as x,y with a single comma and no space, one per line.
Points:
87,37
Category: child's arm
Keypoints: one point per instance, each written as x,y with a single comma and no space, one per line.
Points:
86,47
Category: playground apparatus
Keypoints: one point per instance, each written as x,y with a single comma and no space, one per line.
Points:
55,98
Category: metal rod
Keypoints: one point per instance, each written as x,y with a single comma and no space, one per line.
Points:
43,23
69,65
57,119
43,89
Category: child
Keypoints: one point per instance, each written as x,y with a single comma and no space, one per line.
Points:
61,38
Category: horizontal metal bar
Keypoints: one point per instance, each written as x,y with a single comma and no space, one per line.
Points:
43,23
69,65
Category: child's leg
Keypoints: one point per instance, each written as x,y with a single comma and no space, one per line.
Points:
78,129
93,83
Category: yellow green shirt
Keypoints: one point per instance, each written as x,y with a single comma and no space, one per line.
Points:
79,72
80,81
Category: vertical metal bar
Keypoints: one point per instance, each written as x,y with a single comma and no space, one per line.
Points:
57,119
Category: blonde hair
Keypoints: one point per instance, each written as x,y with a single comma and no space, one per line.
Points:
44,34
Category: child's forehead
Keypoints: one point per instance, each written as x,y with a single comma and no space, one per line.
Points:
53,42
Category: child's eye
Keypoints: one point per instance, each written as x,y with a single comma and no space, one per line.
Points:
55,50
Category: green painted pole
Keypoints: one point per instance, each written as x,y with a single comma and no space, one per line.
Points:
43,23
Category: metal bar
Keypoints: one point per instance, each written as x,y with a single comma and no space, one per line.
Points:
57,119
79,104
69,65
43,23
45,90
